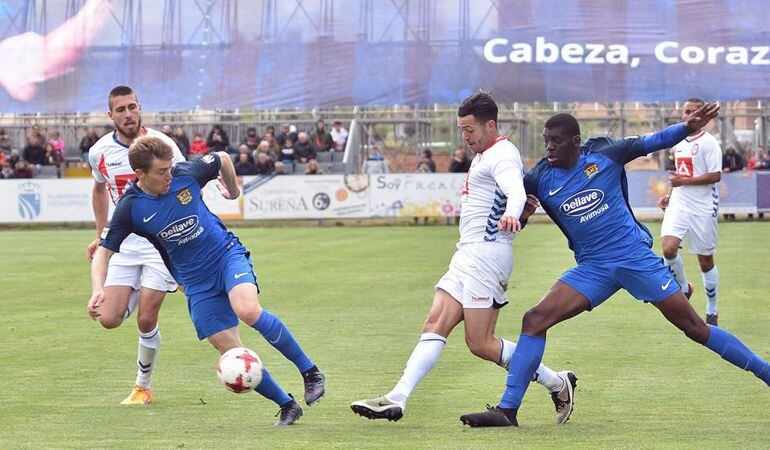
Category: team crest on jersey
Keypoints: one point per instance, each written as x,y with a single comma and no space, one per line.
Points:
184,196
591,170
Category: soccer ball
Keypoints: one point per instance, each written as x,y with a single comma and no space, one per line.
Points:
239,369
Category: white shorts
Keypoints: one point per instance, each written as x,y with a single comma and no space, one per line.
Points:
138,264
701,231
478,275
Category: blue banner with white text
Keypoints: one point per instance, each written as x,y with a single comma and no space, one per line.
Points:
186,55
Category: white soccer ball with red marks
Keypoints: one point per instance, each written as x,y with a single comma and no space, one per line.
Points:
239,369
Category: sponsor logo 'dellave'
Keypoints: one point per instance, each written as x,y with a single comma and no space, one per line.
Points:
582,202
179,228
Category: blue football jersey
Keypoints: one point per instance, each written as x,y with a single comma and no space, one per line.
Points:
189,237
589,201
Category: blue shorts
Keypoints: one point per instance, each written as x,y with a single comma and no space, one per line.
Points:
209,305
642,274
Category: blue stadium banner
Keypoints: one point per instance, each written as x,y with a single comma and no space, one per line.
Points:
186,54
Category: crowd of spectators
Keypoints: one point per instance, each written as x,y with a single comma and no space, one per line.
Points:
39,154
288,150
268,153
252,153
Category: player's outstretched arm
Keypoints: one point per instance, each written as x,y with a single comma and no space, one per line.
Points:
670,136
98,276
228,177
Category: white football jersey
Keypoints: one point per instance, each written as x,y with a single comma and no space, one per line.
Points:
483,199
696,156
108,159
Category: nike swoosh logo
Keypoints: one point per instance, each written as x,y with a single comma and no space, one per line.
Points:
147,219
276,339
665,286
238,275
555,191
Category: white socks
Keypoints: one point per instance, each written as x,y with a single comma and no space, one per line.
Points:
710,284
543,375
423,358
148,349
677,266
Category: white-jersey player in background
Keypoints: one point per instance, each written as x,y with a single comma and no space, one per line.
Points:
691,209
136,275
473,289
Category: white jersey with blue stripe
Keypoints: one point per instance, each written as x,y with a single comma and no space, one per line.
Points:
493,188
589,201
189,237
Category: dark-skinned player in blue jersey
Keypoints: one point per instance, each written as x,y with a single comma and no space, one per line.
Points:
165,206
583,189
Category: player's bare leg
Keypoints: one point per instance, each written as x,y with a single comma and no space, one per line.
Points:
445,313
672,259
225,340
290,410
244,299
560,303
710,276
679,312
117,305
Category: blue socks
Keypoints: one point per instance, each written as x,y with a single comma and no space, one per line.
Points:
276,333
269,389
524,362
724,344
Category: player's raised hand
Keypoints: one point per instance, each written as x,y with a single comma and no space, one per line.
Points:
91,249
703,116
97,298
509,224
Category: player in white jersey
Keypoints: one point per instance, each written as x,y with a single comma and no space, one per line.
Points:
137,275
473,289
691,209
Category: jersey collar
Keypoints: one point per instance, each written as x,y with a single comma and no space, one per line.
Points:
692,138
142,132
499,138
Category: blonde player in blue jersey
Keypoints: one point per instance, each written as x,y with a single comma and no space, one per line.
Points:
583,189
165,207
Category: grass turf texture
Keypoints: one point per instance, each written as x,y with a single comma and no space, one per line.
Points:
355,298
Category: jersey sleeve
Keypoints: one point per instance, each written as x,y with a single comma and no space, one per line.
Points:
121,225
530,183
508,172
203,170
628,149
93,161
713,157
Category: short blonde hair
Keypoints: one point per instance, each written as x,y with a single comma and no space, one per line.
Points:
145,149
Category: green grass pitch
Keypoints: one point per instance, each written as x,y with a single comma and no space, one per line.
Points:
355,298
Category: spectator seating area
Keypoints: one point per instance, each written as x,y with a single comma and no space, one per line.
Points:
34,152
